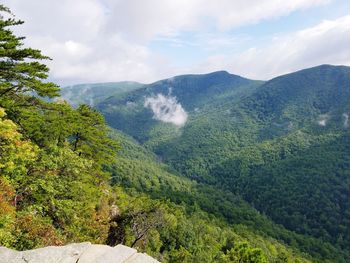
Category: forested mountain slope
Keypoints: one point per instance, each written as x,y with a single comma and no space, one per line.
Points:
282,145
307,192
91,94
308,98
138,170
133,112
297,171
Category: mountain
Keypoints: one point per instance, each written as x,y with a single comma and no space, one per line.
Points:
282,145
93,93
173,101
297,171
308,98
139,171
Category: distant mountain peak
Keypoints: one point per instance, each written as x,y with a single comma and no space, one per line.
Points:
223,72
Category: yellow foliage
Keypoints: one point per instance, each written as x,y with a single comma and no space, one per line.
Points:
7,212
37,231
15,153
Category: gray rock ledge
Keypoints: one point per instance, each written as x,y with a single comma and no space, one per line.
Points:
76,253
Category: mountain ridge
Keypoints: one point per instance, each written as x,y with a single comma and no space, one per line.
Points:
240,132
236,125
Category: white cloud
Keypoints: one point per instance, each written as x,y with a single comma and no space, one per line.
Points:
147,19
166,109
63,20
323,119
325,43
231,14
322,122
76,35
108,40
346,120
76,49
107,59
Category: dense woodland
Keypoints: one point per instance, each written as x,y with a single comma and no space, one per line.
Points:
281,146
211,191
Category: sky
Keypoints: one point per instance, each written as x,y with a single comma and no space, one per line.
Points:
93,41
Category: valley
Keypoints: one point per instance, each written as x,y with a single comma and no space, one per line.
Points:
278,149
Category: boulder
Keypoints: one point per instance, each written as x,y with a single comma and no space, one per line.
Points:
76,253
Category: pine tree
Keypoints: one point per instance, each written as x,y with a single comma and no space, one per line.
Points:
21,73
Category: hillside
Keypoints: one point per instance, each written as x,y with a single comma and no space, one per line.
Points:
173,101
266,142
92,94
308,98
139,170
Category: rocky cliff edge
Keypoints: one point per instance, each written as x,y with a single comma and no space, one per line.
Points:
76,253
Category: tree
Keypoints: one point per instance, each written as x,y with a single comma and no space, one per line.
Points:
243,253
16,154
141,217
90,136
22,84
21,74
7,214
53,188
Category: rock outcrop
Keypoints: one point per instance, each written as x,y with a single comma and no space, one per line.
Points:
76,253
